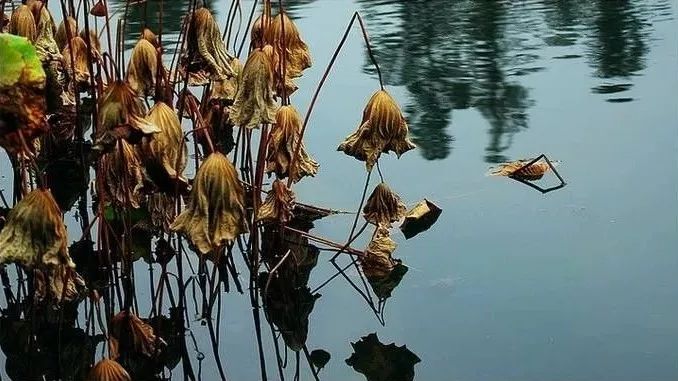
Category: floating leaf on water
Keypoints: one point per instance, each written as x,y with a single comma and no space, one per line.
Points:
383,206
215,213
143,68
520,169
22,23
35,234
108,370
380,362
282,146
320,358
254,102
420,218
383,129
384,285
377,261
278,204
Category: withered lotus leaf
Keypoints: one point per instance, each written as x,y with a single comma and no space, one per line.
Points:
99,9
45,43
518,168
206,49
165,150
274,57
377,260
121,175
108,370
93,40
258,28
22,83
161,207
225,90
285,38
254,102
215,213
149,36
380,362
76,61
143,68
383,206
420,218
61,36
59,284
22,23
130,333
34,234
285,136
383,129
278,204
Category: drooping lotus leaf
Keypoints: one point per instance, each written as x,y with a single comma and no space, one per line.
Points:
121,175
22,23
131,335
320,358
420,218
59,284
22,83
377,261
143,68
282,146
278,204
206,49
164,154
383,206
76,62
384,285
108,370
381,362
215,213
383,129
254,102
62,34
283,35
34,234
45,42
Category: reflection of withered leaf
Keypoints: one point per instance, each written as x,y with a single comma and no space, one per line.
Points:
383,206
215,214
278,204
383,129
108,370
143,68
383,286
381,362
377,261
161,207
254,102
518,169
420,218
122,178
34,234
131,334
282,146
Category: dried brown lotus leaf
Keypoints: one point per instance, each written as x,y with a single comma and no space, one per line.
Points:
76,63
383,206
226,90
274,57
254,101
59,284
133,334
62,35
143,68
297,56
98,9
420,218
206,49
93,40
22,23
164,154
257,33
45,43
278,204
518,168
282,145
149,36
121,175
377,260
34,234
215,213
108,370
161,207
120,107
383,129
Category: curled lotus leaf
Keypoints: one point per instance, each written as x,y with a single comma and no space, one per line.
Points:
383,129
22,83
377,260
34,234
161,207
215,213
225,90
259,27
93,40
143,68
108,370
59,284
282,146
383,206
76,61
274,57
164,154
283,34
278,204
130,334
22,23
206,49
254,101
121,175
45,42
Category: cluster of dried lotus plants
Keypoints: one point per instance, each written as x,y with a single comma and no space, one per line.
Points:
112,131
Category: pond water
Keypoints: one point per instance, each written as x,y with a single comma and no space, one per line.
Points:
510,284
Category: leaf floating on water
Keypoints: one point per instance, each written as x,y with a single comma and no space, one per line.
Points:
420,218
377,261
380,362
520,169
320,358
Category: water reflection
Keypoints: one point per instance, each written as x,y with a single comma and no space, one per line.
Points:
460,55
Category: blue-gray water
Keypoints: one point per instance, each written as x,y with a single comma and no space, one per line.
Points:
580,284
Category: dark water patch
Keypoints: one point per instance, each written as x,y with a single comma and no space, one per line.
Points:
619,100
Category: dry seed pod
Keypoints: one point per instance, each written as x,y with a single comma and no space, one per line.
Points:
22,23
130,333
34,234
62,35
382,129
283,144
108,370
164,154
278,204
143,68
377,261
517,168
297,56
122,178
206,49
215,214
80,61
99,9
254,102
383,206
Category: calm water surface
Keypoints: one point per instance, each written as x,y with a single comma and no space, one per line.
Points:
578,284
